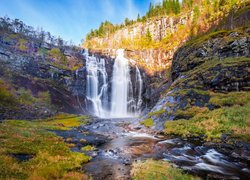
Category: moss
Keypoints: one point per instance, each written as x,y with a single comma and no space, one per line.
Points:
22,44
88,148
25,96
42,52
63,121
207,66
51,156
152,169
229,99
56,54
234,121
191,112
7,99
147,122
203,38
157,113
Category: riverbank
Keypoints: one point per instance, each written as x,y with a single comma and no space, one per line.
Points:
112,149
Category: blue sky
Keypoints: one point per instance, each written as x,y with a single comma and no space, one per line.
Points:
72,19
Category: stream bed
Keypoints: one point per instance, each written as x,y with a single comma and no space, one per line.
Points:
119,142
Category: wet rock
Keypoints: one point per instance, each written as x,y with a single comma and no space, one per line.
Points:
22,157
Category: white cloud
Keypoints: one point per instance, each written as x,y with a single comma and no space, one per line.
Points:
132,11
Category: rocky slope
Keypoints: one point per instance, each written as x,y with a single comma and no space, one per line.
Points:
34,85
210,88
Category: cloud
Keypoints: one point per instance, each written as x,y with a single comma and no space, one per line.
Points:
132,11
156,1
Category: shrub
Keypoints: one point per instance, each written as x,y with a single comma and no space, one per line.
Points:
25,96
22,44
147,122
56,54
157,113
44,98
6,97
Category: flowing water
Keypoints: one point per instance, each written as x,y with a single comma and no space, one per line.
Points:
97,85
120,140
121,84
119,145
125,99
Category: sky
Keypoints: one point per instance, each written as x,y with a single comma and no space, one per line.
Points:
72,19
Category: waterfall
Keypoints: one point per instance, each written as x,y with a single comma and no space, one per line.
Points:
96,85
125,100
120,86
139,84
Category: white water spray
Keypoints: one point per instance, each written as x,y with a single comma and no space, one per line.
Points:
96,85
125,99
139,84
120,86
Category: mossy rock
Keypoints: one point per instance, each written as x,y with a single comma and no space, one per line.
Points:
147,122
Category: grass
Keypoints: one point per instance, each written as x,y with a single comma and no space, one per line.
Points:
157,113
229,99
51,156
147,122
192,76
234,121
191,112
88,148
7,99
64,122
158,170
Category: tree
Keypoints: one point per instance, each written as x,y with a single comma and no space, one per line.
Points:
126,21
148,36
60,42
138,18
187,4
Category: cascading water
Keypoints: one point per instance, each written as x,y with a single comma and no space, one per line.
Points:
96,85
121,85
125,100
139,85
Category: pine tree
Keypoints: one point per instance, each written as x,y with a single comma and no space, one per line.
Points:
148,36
138,18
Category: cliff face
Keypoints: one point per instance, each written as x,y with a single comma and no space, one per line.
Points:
158,28
31,86
208,73
153,42
151,59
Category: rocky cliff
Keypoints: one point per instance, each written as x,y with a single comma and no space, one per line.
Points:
215,63
33,85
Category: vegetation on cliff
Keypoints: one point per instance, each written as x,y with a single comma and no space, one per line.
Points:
204,15
17,37
12,98
168,29
211,88
165,8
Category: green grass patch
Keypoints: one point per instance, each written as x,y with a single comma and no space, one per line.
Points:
64,121
52,158
7,99
147,122
157,113
152,169
88,148
229,99
234,121
192,111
